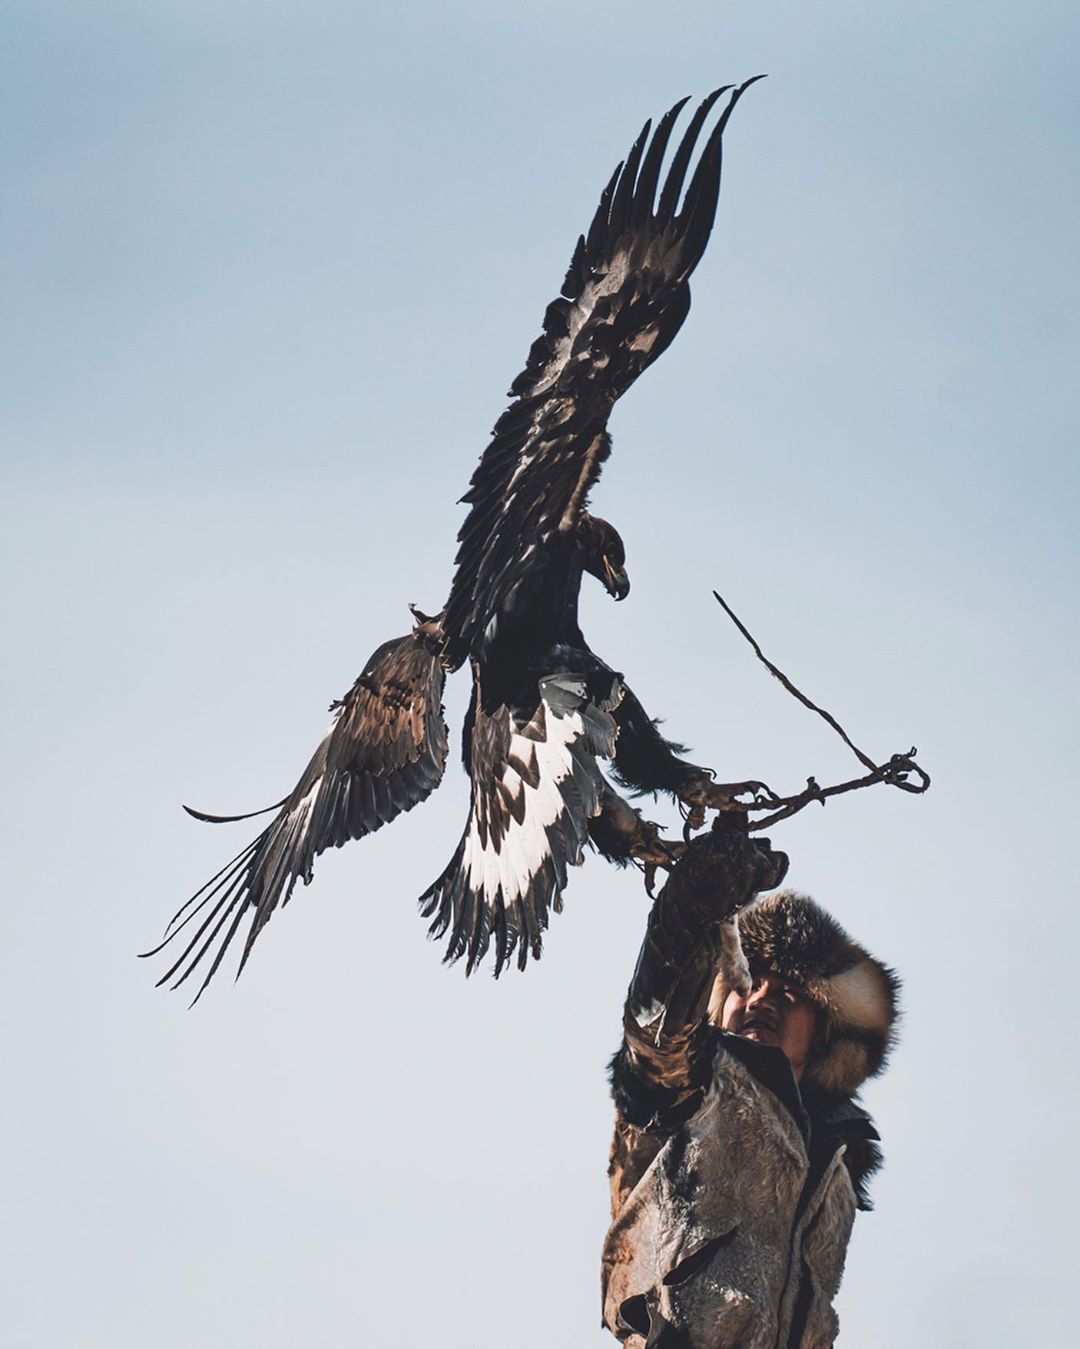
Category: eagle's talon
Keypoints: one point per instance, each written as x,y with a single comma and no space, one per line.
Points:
659,852
705,794
655,853
693,820
665,854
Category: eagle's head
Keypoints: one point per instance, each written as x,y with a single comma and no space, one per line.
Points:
604,555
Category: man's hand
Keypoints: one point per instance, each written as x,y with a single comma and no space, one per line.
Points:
720,874
691,928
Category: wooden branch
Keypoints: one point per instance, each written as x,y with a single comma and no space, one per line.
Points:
900,770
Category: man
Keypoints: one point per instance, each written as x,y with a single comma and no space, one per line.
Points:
740,1155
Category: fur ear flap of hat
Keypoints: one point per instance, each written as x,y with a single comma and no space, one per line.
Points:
856,994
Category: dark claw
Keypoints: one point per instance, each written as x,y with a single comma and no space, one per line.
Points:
706,794
660,852
650,850
693,820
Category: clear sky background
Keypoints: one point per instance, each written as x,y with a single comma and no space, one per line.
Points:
269,269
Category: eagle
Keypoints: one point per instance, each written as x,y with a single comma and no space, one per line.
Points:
545,709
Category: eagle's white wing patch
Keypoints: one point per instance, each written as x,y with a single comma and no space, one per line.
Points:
536,785
506,869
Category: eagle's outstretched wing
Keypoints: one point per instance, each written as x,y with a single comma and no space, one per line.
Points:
384,753
535,786
625,297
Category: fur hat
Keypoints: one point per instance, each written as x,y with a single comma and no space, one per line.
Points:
856,994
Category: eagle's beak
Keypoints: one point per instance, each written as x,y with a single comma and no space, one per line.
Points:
616,581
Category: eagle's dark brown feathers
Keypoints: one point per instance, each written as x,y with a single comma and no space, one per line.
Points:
385,752
545,707
624,298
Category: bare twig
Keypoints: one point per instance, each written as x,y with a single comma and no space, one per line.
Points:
779,674
897,772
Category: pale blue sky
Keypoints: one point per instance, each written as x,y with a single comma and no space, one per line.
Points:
269,269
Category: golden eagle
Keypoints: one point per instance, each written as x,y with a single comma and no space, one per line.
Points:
544,708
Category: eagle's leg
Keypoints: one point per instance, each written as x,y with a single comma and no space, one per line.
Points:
622,835
646,762
707,794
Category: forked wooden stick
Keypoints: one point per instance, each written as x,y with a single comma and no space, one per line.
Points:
898,771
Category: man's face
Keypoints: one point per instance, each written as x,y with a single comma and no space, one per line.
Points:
774,1012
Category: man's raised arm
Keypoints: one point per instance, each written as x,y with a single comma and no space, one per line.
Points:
662,1065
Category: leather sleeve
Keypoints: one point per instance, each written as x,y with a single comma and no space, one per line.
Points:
663,1064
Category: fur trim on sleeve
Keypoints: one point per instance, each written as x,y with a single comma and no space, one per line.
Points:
644,1104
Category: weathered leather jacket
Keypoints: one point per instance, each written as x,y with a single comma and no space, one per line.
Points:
733,1195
